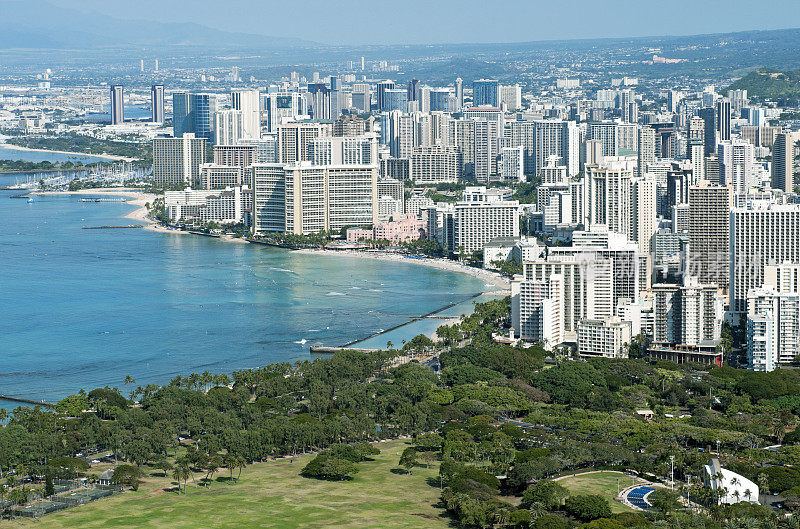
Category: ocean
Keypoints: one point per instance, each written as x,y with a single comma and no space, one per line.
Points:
84,308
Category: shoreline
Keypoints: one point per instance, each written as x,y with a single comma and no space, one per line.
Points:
494,283
499,284
109,157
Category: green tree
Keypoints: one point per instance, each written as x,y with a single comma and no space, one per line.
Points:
587,507
408,459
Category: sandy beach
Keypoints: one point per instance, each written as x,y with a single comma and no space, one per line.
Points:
494,282
109,157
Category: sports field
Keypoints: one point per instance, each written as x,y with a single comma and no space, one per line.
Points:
272,494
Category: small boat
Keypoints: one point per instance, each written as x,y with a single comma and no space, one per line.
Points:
30,200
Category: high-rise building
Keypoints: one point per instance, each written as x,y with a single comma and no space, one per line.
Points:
228,126
239,155
643,207
381,89
723,119
709,233
178,160
783,161
736,159
459,93
688,322
762,234
608,197
773,328
344,150
414,91
432,165
511,97
213,176
738,100
157,103
537,307
117,104
482,216
580,288
487,145
709,117
194,113
544,139
395,99
248,102
485,92
294,139
461,135
440,100
181,113
283,106
512,164
647,148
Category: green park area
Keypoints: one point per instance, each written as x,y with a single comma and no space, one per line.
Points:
603,483
272,494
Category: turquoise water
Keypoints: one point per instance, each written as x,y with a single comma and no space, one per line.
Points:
85,308
42,156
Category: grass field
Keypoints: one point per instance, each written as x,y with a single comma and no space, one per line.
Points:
272,494
602,483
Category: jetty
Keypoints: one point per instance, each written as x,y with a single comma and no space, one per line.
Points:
22,400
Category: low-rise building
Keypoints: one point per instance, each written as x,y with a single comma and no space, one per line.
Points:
223,206
607,338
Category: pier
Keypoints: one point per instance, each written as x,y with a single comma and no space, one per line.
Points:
431,315
26,401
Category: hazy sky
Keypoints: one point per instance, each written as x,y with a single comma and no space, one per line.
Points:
440,21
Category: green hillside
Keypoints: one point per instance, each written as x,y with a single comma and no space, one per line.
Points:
770,84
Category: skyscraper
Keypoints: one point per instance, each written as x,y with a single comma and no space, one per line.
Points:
248,102
761,234
485,92
204,106
157,103
736,164
193,113
783,161
708,115
459,89
181,113
709,233
178,160
117,104
381,91
723,119
414,89
647,148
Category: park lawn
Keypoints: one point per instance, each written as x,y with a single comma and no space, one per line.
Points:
603,483
273,494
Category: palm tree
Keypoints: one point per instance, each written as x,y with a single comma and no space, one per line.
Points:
212,465
181,473
747,494
240,464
